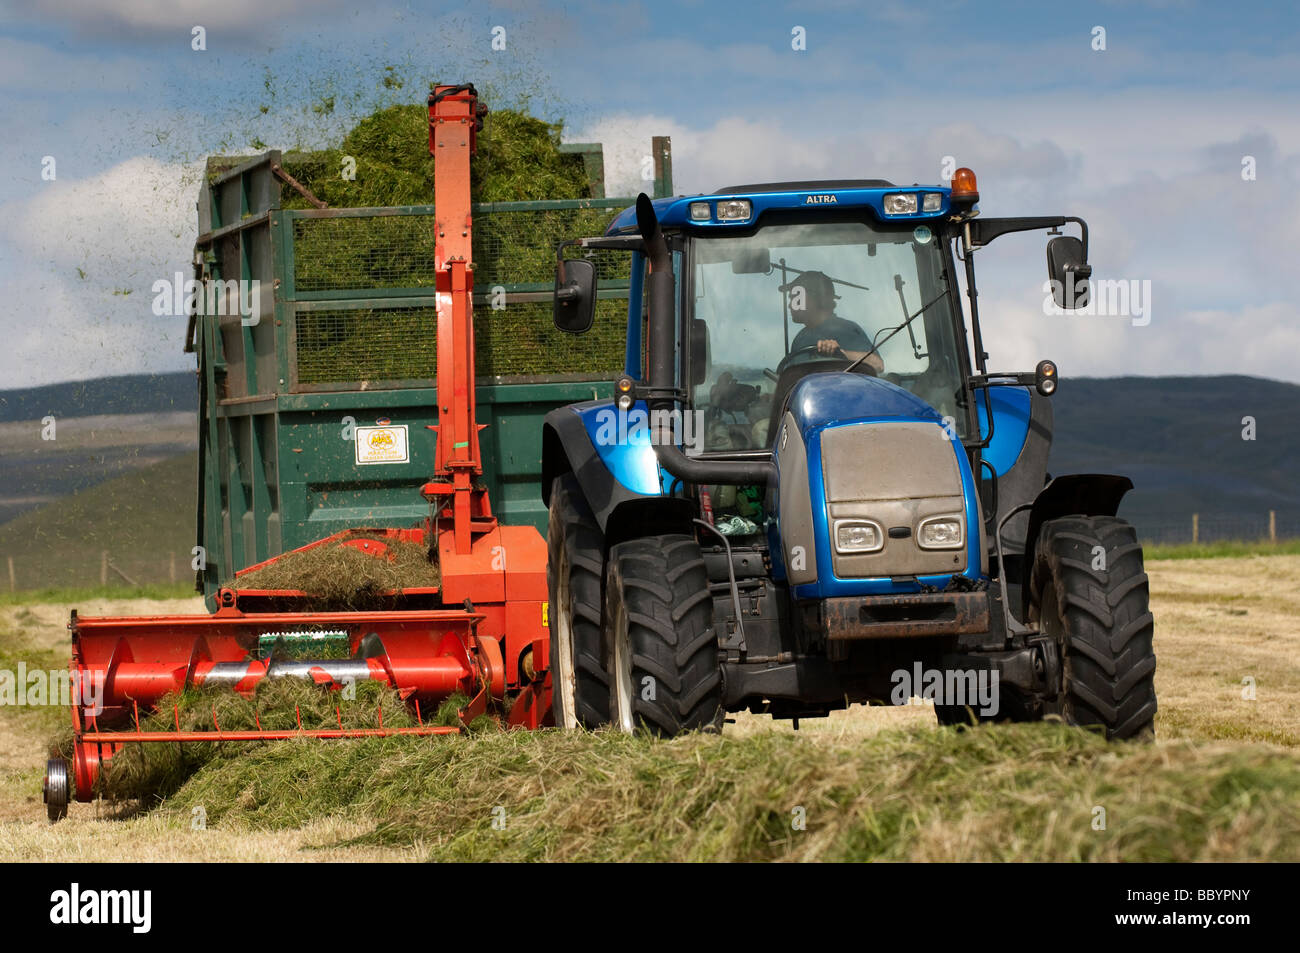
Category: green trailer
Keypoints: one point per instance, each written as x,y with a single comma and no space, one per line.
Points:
315,406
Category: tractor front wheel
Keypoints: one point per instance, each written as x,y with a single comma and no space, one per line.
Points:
575,568
1089,594
664,670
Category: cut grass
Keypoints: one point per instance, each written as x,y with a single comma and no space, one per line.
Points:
152,772
338,576
878,783
518,159
1028,792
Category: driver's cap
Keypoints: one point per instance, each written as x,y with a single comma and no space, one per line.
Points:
816,283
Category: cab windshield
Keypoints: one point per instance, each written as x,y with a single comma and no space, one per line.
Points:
819,294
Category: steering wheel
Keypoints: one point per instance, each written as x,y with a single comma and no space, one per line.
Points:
863,367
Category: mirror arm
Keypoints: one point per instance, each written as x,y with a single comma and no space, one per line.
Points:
1017,379
972,293
1083,236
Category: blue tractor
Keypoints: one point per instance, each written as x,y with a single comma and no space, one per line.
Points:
809,491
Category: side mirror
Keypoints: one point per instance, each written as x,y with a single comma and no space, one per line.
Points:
1068,272
575,295
699,351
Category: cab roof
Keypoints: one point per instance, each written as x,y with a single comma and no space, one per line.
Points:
675,212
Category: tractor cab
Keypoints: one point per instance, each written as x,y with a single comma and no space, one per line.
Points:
817,292
816,482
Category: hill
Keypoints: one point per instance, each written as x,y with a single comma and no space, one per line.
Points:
144,520
1179,438
1181,441
128,394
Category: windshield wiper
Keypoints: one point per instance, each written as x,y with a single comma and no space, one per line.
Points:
875,348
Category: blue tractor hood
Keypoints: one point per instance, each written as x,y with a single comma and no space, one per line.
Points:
823,401
827,399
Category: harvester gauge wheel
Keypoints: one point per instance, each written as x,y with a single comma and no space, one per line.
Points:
56,789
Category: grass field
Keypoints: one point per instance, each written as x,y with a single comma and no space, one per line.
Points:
144,519
1222,782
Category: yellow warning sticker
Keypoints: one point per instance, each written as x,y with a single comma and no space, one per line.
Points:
546,614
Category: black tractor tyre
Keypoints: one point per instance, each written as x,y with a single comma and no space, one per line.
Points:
575,571
665,675
1089,592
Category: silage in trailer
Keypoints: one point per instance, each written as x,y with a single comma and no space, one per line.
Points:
389,246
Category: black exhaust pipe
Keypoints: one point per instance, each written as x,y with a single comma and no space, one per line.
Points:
659,291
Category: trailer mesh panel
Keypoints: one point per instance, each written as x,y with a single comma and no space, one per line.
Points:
389,345
396,251
363,253
518,246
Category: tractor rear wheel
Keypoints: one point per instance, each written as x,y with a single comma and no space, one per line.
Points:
575,569
664,670
1089,593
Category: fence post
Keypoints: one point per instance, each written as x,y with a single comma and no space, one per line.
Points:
13,579
1272,526
1196,528
103,567
171,566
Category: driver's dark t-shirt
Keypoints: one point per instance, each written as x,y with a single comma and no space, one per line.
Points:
847,334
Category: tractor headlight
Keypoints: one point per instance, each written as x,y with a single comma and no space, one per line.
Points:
858,536
700,212
900,203
939,532
932,202
734,210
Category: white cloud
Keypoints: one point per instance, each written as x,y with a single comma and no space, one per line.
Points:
149,16
81,258
1161,190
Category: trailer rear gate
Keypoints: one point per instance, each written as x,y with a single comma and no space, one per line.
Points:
346,338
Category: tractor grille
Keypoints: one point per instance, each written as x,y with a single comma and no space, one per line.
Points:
895,475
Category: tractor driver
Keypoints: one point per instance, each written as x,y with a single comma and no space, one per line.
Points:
812,304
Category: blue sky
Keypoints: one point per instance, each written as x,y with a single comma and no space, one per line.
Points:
1145,139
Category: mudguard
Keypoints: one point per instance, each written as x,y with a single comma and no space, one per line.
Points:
611,472
1082,494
